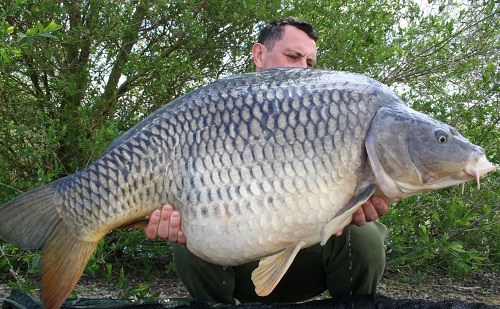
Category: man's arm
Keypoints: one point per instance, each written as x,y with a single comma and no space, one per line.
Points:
165,223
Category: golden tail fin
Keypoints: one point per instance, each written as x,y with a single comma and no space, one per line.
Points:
63,261
32,221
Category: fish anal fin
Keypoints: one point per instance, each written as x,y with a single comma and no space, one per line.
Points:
363,192
62,263
272,268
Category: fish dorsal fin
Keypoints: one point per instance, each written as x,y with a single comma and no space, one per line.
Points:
272,268
344,216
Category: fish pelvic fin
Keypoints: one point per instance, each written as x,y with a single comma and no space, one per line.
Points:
62,263
272,268
363,192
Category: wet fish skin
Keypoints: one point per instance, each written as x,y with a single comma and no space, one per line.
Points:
259,165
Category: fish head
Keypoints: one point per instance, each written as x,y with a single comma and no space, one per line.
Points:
410,152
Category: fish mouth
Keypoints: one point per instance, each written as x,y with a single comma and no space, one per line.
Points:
479,169
474,169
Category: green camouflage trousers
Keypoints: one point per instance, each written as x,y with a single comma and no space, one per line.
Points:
350,264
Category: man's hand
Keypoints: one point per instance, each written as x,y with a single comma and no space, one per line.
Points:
165,223
373,209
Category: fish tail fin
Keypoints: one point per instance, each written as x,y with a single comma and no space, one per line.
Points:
32,221
63,261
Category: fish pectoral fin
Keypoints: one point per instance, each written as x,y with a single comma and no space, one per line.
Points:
363,192
272,268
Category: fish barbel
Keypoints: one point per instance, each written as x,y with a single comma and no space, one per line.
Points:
259,165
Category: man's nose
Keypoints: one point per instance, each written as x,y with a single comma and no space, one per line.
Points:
303,63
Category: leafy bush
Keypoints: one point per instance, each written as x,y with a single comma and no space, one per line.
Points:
446,230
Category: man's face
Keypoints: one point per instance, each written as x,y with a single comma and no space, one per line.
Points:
295,49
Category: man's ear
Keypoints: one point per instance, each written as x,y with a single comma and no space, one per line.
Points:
257,54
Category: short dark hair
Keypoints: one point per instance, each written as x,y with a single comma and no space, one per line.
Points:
273,31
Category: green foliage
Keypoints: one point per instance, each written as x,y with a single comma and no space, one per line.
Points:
125,255
76,74
39,32
10,47
17,266
447,230
128,249
6,52
141,291
353,36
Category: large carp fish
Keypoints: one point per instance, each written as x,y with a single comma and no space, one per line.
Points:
259,165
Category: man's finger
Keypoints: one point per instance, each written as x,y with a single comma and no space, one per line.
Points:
380,205
358,217
154,220
369,211
164,225
181,238
174,227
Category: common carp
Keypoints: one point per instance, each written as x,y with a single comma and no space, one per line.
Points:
259,165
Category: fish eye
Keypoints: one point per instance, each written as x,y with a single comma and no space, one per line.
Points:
441,136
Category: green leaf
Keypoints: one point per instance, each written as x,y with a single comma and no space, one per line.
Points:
457,247
47,35
423,228
40,27
52,26
32,31
5,55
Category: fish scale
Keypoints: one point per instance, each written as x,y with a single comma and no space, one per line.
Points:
259,165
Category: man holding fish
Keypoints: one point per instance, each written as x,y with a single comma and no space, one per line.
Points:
262,166
351,262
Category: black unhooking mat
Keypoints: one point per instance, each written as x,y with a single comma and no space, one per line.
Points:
19,300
